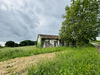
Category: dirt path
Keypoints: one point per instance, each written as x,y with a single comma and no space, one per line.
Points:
18,66
97,46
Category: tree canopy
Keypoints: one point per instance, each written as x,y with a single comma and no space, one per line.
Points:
22,43
11,44
27,43
81,22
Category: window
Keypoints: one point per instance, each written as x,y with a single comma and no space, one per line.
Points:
47,42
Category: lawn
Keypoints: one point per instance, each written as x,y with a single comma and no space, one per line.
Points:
11,53
73,61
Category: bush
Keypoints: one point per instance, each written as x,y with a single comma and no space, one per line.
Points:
27,43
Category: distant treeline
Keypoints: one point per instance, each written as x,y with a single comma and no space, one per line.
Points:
22,43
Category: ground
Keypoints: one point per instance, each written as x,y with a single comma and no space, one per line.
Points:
97,46
19,65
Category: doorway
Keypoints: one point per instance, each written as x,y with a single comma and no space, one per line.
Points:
55,43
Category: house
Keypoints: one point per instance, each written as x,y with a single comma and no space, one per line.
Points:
48,41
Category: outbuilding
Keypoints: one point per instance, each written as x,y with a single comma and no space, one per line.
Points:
48,41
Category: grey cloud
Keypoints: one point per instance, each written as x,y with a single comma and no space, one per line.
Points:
25,19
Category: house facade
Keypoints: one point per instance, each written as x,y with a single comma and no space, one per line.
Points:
48,41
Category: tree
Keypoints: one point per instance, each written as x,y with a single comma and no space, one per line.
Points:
10,44
27,43
81,22
16,45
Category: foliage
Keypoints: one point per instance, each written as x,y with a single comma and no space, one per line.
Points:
16,45
73,61
22,43
27,43
11,44
10,53
39,45
81,22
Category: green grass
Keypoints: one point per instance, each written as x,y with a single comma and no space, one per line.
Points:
10,53
73,61
98,42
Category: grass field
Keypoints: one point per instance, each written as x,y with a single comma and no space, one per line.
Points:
73,61
69,61
98,42
10,53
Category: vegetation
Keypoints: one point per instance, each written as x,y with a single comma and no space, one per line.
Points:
40,45
81,22
27,43
11,44
10,53
22,43
98,42
73,61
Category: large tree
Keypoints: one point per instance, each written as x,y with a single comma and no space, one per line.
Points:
10,44
27,43
81,22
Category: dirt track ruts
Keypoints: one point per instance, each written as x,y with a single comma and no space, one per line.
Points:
18,66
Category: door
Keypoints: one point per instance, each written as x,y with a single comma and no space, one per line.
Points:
46,43
55,43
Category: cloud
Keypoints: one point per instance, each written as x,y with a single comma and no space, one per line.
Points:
25,19
2,43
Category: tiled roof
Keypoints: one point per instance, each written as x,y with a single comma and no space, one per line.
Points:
49,36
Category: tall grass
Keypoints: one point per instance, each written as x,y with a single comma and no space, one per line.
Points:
73,61
10,53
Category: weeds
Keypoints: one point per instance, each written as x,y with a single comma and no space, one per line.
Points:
10,53
73,61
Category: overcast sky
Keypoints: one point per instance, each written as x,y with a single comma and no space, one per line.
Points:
25,19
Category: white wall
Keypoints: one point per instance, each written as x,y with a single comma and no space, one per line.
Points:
39,39
97,38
